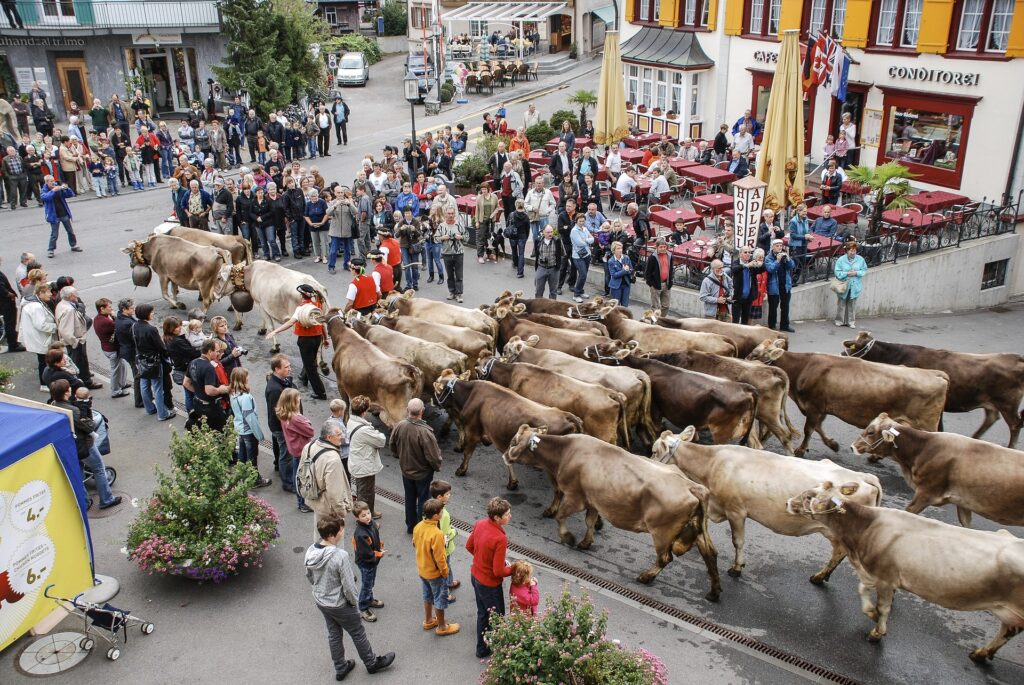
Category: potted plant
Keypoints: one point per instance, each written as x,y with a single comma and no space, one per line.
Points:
7,375
201,522
629,105
565,644
641,108
573,50
656,111
890,180
672,114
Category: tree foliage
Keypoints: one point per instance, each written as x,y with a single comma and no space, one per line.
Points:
890,180
395,19
354,42
269,50
583,99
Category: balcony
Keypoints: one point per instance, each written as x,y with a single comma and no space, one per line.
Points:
44,18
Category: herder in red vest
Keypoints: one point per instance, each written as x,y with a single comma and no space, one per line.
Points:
383,275
310,338
362,291
392,250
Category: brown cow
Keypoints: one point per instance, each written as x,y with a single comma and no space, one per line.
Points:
489,414
602,411
746,338
181,264
441,312
570,342
855,391
553,320
945,468
364,369
634,385
471,343
543,305
994,382
772,387
661,339
236,245
726,408
632,493
957,568
429,357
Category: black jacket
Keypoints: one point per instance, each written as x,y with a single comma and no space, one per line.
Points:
737,270
181,352
588,195
84,426
642,224
278,211
766,234
148,341
123,333
8,295
555,165
565,226
261,210
296,203
652,272
251,127
275,132
521,222
52,373
721,143
497,164
224,197
243,207
366,540
275,386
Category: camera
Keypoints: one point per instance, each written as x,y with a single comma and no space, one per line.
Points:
243,351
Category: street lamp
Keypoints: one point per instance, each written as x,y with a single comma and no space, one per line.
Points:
412,94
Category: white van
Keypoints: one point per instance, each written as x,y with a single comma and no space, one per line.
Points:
353,68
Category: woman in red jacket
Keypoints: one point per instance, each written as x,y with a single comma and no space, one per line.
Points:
487,543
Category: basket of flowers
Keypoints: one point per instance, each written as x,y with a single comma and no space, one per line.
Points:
201,522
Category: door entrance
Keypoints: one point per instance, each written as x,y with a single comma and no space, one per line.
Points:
158,78
74,82
856,94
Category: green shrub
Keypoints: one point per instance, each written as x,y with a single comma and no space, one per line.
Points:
539,134
488,145
447,91
471,170
566,643
558,116
395,19
354,42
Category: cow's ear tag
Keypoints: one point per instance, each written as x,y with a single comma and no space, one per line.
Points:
889,434
838,502
673,443
534,441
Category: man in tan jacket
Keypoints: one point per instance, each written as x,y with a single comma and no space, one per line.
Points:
71,330
329,472
71,162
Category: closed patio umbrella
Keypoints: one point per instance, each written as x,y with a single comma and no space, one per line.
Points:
780,161
610,124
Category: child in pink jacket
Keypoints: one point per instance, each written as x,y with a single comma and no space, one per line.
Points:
523,592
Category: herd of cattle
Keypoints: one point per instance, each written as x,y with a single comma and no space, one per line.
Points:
580,391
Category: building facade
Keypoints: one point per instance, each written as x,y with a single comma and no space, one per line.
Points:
94,48
935,84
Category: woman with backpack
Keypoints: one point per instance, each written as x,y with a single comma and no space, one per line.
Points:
150,358
298,431
247,422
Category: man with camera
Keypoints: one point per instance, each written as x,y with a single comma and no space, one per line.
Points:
55,207
208,381
779,266
716,292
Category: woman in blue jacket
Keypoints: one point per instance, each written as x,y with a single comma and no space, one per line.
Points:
850,268
779,266
620,272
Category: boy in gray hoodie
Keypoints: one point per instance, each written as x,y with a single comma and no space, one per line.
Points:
329,570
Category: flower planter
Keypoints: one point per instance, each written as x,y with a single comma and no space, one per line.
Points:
672,116
642,109
629,105
656,112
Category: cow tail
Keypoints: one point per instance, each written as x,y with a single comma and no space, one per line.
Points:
646,417
752,416
248,251
622,420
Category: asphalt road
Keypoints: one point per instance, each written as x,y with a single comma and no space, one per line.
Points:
261,625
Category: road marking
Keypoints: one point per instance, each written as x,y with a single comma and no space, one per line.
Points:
104,273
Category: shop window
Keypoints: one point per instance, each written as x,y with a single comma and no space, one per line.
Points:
477,29
677,92
648,10
647,88
825,15
695,14
982,26
632,83
927,133
763,17
994,274
419,16
897,23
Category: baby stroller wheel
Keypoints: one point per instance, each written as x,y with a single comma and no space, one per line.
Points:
147,628
111,475
86,643
113,653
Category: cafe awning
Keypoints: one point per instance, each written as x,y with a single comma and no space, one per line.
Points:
512,12
666,47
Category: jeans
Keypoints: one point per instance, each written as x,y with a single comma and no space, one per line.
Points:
248,449
417,492
411,268
582,266
487,598
269,239
190,400
345,619
166,155
112,188
119,371
99,186
518,249
622,293
55,231
311,144
433,255
156,387
567,269
286,465
332,252
367,578
298,231
453,265
535,228
99,474
277,441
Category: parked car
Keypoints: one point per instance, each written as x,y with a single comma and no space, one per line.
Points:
353,68
422,68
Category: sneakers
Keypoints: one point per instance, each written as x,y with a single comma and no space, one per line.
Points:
449,629
376,604
450,297
169,416
77,249
481,260
458,298
114,501
263,482
304,509
50,254
577,299
381,662
368,616
345,670
838,323
43,388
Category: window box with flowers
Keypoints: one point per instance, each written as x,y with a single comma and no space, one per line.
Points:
629,105
672,114
656,111
642,108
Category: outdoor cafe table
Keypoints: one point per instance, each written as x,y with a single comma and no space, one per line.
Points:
708,174
581,143
693,254
642,140
466,204
678,164
911,219
937,200
668,217
842,215
538,157
717,203
631,155
821,246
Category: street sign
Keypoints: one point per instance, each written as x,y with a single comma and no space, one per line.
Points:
332,61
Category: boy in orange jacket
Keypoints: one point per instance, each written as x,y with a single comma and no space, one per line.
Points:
432,565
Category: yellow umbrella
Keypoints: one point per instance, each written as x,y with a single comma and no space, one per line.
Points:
780,162
611,124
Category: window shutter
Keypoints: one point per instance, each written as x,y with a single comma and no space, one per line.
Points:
734,17
630,10
669,12
858,23
936,17
712,14
1015,44
789,15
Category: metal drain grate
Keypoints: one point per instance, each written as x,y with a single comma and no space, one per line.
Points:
655,604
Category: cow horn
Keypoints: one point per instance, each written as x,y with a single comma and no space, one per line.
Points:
518,294
518,308
533,340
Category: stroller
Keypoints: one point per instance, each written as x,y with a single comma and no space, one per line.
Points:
107,622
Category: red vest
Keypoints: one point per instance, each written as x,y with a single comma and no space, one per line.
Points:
394,251
301,330
387,278
366,292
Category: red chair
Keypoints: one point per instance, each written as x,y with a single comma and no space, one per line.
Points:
618,201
